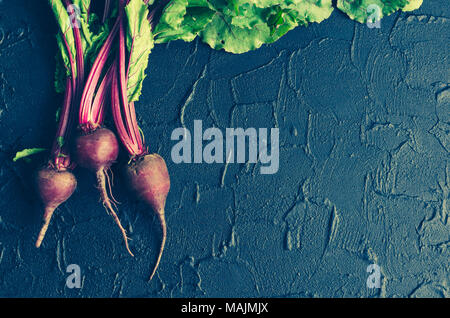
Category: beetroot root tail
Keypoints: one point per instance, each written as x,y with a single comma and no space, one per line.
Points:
163,225
101,184
47,217
110,181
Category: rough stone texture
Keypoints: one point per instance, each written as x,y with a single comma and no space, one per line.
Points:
364,118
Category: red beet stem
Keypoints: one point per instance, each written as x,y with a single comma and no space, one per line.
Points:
106,10
98,108
123,111
131,126
86,106
71,61
125,127
60,150
78,48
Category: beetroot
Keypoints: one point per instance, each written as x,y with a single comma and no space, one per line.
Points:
149,178
55,182
146,174
97,148
54,188
97,151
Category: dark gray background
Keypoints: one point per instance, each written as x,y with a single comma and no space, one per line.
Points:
364,167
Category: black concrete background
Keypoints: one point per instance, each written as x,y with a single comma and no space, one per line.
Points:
364,167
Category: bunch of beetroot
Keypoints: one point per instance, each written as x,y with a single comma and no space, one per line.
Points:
101,67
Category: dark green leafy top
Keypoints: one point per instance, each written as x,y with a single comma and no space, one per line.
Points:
91,41
237,26
139,45
65,34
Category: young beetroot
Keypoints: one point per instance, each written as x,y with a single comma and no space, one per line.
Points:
149,179
146,173
55,182
97,151
54,188
96,147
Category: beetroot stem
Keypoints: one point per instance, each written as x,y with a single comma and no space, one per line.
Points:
117,115
71,61
60,152
123,85
123,111
135,126
93,78
100,98
106,10
78,48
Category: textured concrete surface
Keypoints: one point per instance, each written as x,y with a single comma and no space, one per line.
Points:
364,118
